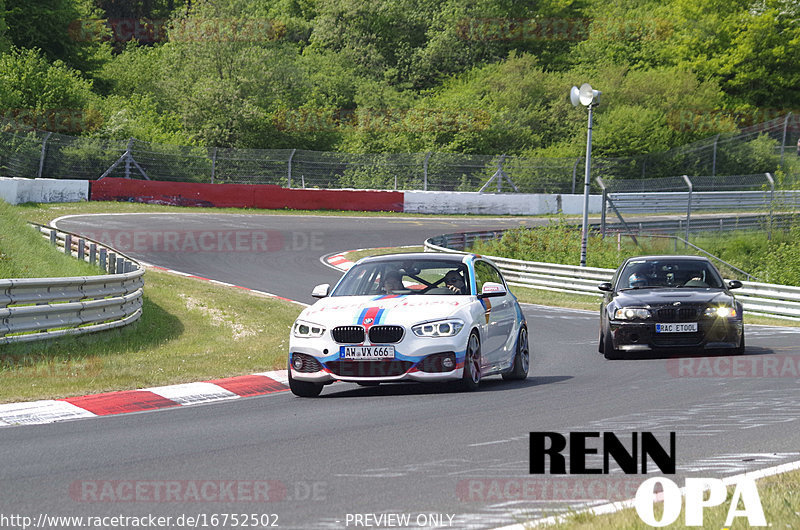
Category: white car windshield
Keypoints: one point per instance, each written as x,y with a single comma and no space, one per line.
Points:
405,277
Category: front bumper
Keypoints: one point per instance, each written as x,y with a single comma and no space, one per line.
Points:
712,334
416,359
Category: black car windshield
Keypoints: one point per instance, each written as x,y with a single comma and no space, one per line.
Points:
405,277
647,273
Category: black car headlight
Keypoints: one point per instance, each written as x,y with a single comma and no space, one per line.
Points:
720,312
440,328
631,313
307,330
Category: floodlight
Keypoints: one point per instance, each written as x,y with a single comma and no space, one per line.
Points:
586,95
574,96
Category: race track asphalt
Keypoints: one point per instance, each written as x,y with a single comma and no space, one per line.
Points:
406,449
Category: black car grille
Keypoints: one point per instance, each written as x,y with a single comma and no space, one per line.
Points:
348,334
369,368
385,334
676,314
672,339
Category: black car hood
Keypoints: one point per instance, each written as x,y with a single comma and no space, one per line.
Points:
662,296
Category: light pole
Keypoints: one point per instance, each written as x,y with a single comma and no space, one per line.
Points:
587,97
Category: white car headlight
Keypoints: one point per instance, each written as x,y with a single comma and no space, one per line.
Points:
307,330
722,312
440,328
631,313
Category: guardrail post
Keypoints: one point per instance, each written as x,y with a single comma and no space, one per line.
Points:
575,174
68,244
120,268
688,206
425,171
603,209
714,157
213,164
289,174
53,240
783,141
44,151
81,253
92,253
112,263
771,199
103,258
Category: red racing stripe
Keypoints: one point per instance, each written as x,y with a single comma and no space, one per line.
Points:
121,402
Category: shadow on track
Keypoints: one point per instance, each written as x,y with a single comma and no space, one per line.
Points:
424,389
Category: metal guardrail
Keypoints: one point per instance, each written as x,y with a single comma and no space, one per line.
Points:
42,308
764,299
671,201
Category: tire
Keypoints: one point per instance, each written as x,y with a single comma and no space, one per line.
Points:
471,379
609,352
303,388
522,358
739,350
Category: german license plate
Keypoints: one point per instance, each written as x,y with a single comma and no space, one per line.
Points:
677,327
366,353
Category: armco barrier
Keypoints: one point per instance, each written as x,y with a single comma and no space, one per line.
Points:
765,299
243,196
43,308
669,201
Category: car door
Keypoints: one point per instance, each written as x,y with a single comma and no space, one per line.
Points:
499,340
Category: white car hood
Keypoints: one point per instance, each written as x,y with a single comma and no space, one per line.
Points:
398,310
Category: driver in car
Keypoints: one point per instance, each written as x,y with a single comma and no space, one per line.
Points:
454,282
637,279
392,282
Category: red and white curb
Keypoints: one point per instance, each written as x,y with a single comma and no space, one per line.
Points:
340,262
146,399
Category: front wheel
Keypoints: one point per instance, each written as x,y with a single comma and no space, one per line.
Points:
471,379
519,369
303,388
740,349
609,351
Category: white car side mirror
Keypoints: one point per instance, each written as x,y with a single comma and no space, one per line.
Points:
321,290
491,289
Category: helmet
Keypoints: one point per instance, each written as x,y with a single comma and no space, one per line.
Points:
637,280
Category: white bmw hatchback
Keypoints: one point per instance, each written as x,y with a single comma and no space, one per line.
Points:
410,317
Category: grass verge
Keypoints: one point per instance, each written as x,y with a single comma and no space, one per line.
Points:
44,213
780,499
24,253
189,331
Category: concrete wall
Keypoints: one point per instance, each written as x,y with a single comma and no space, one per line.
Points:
466,202
18,190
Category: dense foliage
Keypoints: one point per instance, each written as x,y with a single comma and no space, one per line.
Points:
486,76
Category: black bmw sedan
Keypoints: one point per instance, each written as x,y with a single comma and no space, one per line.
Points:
669,304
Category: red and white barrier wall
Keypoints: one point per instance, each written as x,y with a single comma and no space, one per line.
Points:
275,197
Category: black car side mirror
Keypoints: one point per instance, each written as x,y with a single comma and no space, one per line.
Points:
605,286
734,284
